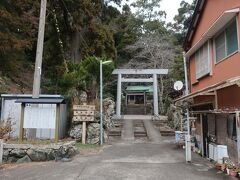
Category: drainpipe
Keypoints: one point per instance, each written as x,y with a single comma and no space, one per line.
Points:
188,136
238,134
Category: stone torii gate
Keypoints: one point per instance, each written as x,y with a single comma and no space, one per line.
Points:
153,79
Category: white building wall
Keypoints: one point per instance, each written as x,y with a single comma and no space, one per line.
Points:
12,111
47,112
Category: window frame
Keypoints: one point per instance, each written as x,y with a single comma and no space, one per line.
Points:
225,37
209,54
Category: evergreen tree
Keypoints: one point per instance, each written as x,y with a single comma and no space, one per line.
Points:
183,20
18,30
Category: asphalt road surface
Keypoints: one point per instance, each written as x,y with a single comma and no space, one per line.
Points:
120,161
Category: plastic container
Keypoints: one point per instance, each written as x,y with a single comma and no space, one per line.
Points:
178,136
221,152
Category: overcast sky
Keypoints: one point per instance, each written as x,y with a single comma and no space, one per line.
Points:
170,6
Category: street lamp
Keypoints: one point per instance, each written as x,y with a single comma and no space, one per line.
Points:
101,100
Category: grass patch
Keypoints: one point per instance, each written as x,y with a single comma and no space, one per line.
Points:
34,142
86,146
87,149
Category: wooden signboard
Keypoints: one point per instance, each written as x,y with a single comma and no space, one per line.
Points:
83,113
83,118
84,107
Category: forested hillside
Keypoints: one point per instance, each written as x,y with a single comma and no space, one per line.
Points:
80,32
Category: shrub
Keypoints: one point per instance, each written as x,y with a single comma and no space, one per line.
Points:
6,128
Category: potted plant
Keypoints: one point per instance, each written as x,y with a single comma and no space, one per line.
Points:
238,172
218,166
229,166
233,172
223,167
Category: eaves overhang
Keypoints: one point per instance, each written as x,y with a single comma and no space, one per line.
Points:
226,17
211,88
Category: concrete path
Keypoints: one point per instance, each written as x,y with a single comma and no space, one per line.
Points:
128,130
121,161
152,133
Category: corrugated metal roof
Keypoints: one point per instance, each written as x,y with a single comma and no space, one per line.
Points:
140,88
40,101
30,95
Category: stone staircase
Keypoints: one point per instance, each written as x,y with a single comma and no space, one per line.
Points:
139,130
116,131
163,127
140,109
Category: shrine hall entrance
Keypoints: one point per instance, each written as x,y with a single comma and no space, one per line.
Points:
138,100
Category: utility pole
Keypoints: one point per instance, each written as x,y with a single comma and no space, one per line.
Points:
39,53
188,136
38,62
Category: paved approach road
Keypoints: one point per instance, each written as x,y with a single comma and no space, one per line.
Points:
122,160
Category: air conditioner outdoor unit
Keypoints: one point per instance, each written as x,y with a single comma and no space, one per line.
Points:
217,152
221,152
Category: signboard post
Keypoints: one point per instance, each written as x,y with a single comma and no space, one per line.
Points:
83,113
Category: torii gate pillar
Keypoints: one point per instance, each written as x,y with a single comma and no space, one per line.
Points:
155,95
119,95
153,72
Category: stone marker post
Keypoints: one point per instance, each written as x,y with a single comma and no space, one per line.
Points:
1,151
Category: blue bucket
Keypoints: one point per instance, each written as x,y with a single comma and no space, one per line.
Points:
178,136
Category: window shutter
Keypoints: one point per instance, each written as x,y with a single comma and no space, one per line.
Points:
202,61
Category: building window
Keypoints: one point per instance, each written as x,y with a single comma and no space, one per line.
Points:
202,61
226,43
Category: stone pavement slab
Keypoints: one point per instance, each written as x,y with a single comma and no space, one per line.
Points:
128,131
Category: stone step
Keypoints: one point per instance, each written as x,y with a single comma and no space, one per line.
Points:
160,124
139,129
114,133
140,134
167,133
118,126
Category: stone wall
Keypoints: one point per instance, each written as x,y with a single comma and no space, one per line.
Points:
93,128
174,117
20,153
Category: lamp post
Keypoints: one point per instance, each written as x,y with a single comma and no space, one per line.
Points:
101,100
